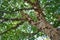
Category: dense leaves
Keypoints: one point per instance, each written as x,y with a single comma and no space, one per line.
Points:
52,11
26,31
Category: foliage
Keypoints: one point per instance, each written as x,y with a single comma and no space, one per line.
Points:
52,11
25,31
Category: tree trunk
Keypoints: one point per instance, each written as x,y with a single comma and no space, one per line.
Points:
43,25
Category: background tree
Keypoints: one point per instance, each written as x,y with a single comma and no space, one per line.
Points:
29,19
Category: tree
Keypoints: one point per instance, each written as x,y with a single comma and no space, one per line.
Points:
16,12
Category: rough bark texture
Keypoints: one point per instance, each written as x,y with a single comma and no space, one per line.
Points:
48,29
43,25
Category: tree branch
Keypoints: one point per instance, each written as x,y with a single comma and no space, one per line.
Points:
27,18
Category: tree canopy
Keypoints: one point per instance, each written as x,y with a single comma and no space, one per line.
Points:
19,18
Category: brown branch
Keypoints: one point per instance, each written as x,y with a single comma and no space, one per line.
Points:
25,18
6,19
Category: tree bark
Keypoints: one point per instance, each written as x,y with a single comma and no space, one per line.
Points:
43,25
